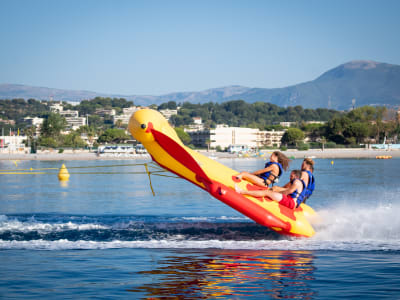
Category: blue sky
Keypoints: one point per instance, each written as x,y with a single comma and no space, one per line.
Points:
158,47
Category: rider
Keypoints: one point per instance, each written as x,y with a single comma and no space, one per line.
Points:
307,169
292,196
271,171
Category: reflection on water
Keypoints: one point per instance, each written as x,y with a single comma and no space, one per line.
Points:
223,273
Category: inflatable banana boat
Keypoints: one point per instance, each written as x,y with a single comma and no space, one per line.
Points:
151,129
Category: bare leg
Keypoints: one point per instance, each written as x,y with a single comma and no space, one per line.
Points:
251,178
261,193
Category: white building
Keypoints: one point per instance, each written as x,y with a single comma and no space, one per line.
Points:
271,138
104,112
37,122
287,124
200,138
234,137
73,119
225,136
56,107
167,113
126,115
89,140
315,122
71,116
12,144
197,126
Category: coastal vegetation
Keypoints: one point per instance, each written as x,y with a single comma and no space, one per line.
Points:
326,127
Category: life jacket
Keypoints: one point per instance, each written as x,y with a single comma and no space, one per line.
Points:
311,185
266,176
299,197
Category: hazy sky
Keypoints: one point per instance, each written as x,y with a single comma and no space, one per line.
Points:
158,47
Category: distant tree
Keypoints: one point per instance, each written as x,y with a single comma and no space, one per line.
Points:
293,136
73,140
356,132
53,125
95,121
171,105
184,136
121,102
113,135
48,142
118,123
90,132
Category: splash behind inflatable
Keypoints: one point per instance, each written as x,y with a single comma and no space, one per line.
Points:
151,129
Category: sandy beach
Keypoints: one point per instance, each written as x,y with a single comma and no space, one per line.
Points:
314,153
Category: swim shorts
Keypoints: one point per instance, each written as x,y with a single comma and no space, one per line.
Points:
287,201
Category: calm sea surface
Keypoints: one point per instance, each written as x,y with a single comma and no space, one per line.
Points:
104,235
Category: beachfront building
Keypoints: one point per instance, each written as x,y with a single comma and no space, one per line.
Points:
89,139
232,137
126,115
287,124
71,116
200,138
271,138
196,126
73,119
168,113
13,144
37,122
105,112
224,136
56,107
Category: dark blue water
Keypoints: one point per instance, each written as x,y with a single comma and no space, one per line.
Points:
105,235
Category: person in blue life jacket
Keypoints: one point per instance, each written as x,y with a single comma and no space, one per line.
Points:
292,196
307,170
271,171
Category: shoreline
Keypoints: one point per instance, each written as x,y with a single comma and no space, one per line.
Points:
313,153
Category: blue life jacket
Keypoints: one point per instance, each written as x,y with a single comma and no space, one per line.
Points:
268,174
311,185
299,197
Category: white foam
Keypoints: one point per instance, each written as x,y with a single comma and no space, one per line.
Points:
299,244
348,226
354,222
225,218
9,224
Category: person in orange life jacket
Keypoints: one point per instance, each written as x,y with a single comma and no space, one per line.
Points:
307,170
271,171
292,196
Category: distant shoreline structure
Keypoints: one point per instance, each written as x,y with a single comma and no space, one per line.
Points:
314,153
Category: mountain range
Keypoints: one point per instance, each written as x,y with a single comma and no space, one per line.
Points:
358,83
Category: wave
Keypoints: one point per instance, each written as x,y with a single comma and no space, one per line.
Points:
345,227
180,243
350,222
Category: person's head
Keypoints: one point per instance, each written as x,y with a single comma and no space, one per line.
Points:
282,159
308,164
295,174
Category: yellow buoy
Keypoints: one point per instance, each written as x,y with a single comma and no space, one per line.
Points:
63,175
332,162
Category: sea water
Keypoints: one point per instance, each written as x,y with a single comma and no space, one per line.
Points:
104,235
